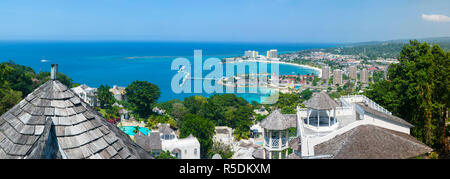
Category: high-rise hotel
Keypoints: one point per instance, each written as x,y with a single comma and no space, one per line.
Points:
326,73
251,54
337,77
272,53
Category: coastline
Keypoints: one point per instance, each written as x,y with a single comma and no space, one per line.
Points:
319,71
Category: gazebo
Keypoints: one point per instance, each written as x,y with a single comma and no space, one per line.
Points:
319,112
276,135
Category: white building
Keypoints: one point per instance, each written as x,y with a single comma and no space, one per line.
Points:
88,94
224,135
364,76
337,77
326,73
354,127
251,54
272,53
352,72
186,148
118,92
358,128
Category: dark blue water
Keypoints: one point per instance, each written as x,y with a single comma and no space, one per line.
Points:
96,63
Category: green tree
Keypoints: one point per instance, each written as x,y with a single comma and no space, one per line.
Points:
105,97
203,129
64,79
417,90
223,150
164,155
8,97
142,95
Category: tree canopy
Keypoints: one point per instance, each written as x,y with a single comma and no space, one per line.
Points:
142,95
417,90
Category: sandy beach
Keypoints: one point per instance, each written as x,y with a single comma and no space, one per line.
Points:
281,62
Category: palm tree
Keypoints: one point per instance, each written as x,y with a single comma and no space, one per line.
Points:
136,129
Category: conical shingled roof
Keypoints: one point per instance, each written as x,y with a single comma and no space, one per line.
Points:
53,122
321,101
276,121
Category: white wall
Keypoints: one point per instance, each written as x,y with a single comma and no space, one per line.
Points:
187,147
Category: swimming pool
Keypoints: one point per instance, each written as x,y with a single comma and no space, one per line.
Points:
129,130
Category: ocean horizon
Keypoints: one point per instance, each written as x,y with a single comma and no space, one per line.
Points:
121,62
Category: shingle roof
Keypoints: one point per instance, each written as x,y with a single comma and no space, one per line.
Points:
165,129
277,121
383,115
372,142
149,143
295,143
321,101
79,131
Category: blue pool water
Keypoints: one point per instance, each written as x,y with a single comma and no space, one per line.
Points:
129,130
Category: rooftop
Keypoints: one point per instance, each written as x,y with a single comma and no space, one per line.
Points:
321,101
53,122
372,142
278,121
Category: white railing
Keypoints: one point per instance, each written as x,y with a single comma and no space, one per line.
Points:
367,101
275,143
283,142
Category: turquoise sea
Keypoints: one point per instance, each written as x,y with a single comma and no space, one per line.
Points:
120,63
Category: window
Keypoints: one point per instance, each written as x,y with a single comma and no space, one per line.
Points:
195,151
185,151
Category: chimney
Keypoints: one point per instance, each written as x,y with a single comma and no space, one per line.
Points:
54,71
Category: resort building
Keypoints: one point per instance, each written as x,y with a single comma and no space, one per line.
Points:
272,53
118,92
186,148
276,134
88,94
352,73
353,127
364,76
337,77
53,122
251,54
224,135
325,73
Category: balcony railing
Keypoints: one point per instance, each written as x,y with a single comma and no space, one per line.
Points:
275,143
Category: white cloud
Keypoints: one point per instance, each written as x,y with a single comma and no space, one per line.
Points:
435,17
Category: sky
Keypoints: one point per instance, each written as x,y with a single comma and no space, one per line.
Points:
298,21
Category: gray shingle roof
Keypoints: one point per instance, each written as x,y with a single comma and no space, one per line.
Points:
278,121
79,131
383,115
295,144
149,143
321,101
372,142
165,129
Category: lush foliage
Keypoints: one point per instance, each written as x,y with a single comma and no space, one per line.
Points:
105,97
223,150
8,97
203,129
417,90
142,95
164,155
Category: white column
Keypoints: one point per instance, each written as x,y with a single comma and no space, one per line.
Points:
270,139
334,115
280,142
318,118
307,115
329,118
